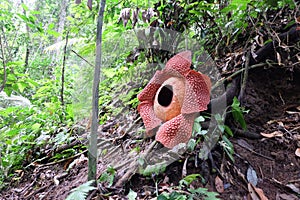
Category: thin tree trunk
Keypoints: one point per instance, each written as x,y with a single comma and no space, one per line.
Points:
27,47
92,155
4,65
62,19
63,72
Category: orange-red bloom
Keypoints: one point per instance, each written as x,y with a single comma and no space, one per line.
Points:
172,99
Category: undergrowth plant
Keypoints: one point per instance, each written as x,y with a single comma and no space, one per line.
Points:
81,192
26,131
221,130
178,192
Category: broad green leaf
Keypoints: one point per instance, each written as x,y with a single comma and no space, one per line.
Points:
228,130
24,7
238,113
81,192
54,33
21,86
36,126
132,195
189,179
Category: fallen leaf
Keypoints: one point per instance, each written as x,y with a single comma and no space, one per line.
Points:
252,176
219,185
288,197
271,135
297,152
278,58
271,122
260,193
252,192
184,170
56,181
18,171
298,20
132,195
294,187
256,193
280,124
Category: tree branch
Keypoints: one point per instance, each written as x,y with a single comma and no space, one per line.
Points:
4,66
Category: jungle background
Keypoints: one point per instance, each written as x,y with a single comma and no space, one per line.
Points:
47,53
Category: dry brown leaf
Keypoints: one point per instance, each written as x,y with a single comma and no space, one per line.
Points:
271,135
278,58
297,152
260,193
219,185
280,124
256,193
271,121
252,192
298,19
184,170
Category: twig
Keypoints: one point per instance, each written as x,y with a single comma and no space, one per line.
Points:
38,190
82,58
134,166
245,76
91,195
55,162
258,154
221,81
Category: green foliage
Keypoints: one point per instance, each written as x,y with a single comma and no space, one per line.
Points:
81,192
23,130
17,82
132,195
153,169
202,193
186,181
228,147
108,176
237,113
222,23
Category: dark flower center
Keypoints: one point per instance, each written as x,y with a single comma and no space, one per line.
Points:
165,95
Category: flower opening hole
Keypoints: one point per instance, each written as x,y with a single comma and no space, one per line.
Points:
165,95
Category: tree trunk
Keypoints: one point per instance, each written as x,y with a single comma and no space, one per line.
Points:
62,19
28,44
92,155
61,23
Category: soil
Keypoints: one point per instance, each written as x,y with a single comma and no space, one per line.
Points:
272,97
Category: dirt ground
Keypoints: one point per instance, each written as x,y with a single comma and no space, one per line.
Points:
273,98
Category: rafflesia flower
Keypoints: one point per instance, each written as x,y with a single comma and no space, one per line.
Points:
172,100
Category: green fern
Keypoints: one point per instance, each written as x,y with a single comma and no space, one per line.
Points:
81,191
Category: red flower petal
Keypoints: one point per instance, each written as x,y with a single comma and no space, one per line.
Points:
175,131
197,92
181,63
148,93
150,120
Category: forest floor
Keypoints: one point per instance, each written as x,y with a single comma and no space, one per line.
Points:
273,98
